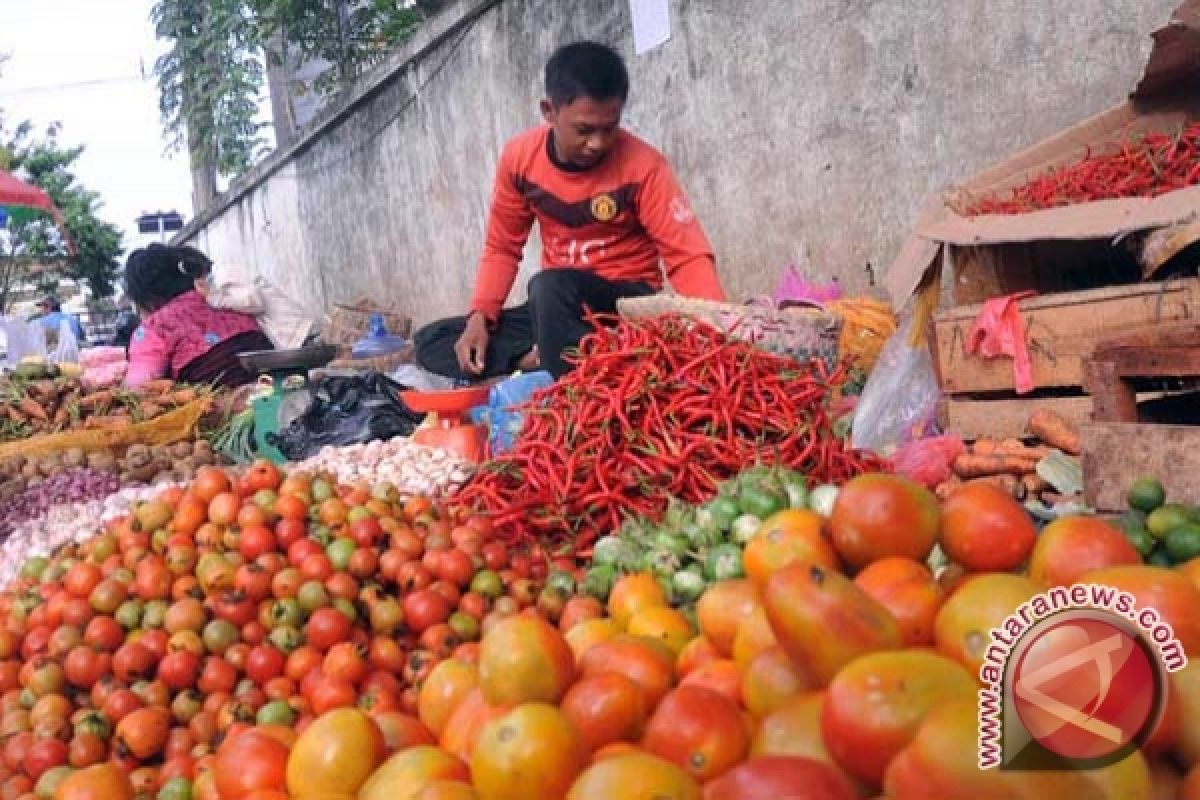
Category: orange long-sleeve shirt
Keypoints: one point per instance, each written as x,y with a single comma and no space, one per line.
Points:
616,219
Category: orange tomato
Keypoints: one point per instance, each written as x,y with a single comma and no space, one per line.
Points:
697,652
823,621
873,707
247,762
907,589
402,731
462,729
336,753
644,661
99,782
781,777
1071,546
533,752
1171,595
721,676
985,529
663,623
634,775
605,708
771,679
699,731
444,688
879,515
410,771
785,538
721,609
754,636
524,659
634,593
964,623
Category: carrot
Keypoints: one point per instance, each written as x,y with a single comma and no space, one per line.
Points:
1055,431
976,466
149,410
156,386
33,409
1034,483
947,487
1009,484
96,399
985,447
179,397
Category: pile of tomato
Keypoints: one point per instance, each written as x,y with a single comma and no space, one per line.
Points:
269,636
260,599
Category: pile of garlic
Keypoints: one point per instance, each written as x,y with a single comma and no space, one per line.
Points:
411,468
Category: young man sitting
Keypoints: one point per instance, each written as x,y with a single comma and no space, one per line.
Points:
608,209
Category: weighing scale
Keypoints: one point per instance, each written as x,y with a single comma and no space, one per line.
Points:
285,394
452,431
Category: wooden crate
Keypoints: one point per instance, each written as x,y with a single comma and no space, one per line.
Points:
1115,454
1061,331
1006,418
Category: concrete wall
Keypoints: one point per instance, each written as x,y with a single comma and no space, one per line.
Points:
801,129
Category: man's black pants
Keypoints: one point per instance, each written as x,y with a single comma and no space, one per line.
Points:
552,319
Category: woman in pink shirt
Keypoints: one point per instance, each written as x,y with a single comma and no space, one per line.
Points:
181,335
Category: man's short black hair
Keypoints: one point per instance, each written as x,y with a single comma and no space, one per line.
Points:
586,69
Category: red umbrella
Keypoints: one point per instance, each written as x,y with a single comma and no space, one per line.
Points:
18,194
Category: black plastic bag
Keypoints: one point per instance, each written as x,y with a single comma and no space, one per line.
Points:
347,410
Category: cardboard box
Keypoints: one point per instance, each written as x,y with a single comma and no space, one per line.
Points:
989,255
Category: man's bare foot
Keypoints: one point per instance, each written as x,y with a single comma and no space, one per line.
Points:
530,361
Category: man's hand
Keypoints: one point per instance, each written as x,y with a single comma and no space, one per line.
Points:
471,347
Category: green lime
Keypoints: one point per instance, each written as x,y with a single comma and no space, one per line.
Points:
1183,543
1146,494
1141,540
1159,558
1167,518
1195,518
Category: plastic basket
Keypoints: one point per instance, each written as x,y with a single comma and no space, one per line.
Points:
802,334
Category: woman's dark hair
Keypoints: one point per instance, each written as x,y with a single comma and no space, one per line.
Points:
156,275
586,69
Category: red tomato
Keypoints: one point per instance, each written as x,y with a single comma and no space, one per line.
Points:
179,670
425,608
326,627
264,663
366,531
289,531
217,675
255,541
456,567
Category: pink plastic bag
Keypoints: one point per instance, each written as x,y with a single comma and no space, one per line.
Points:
1000,330
98,356
795,288
928,461
104,376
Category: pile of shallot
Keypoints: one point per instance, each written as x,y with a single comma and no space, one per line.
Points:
71,485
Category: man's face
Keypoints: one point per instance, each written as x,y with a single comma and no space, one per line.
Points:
584,129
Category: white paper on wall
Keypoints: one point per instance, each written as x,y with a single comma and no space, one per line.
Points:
651,24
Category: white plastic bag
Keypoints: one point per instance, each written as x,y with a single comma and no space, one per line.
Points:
22,340
67,349
901,394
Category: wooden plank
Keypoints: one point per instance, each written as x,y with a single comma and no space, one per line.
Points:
1061,331
1113,398
1115,454
1001,419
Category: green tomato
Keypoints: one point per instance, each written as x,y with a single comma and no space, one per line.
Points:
47,785
276,712
219,635
346,607
129,614
178,788
53,573
154,614
286,612
286,637
488,584
321,534
464,625
322,490
34,567
339,553
312,595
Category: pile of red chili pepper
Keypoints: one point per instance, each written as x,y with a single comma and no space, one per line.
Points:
657,408
1144,167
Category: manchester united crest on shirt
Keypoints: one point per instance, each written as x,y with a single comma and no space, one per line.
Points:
604,207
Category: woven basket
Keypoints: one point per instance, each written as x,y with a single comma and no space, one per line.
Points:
799,333
349,323
385,364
